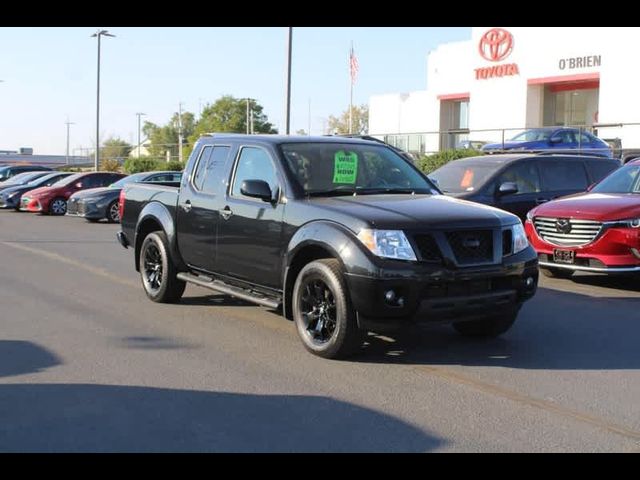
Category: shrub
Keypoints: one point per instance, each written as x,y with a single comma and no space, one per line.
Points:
173,165
110,165
142,164
429,163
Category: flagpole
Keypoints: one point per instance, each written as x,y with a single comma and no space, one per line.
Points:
351,94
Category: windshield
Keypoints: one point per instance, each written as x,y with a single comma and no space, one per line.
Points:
348,168
23,178
534,135
131,178
461,177
47,180
623,180
69,180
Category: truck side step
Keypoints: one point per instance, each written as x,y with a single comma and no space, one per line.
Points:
221,287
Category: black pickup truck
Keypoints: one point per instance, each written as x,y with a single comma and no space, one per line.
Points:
344,235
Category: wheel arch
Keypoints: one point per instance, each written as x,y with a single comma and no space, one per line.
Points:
153,217
316,240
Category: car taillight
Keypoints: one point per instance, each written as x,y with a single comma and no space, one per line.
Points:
121,204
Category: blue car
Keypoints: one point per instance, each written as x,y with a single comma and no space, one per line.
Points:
555,139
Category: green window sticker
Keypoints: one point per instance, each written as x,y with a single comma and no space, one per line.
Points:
345,167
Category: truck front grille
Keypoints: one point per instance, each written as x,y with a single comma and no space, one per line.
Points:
471,246
567,232
428,248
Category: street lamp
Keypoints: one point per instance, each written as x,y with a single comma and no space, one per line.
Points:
99,34
68,123
288,102
139,115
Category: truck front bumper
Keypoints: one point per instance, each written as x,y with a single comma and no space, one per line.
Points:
421,293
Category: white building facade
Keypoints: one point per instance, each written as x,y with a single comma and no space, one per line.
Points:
506,79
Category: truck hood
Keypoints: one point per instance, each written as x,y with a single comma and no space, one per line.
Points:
601,207
410,212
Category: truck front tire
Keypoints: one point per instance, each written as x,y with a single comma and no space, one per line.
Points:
322,311
157,271
487,327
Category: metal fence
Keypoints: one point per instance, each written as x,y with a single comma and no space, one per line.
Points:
623,139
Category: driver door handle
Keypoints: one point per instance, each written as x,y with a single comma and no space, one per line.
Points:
187,206
226,213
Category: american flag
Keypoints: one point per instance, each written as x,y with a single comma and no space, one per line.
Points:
353,66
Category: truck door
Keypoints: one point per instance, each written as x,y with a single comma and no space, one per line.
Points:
250,229
198,206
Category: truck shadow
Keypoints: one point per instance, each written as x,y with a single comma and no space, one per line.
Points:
111,418
555,330
618,283
18,357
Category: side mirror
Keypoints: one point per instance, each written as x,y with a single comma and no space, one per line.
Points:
555,140
507,188
256,189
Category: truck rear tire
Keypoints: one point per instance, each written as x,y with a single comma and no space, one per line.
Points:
487,327
322,311
556,272
157,271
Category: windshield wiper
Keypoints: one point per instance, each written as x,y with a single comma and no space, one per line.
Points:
374,191
331,192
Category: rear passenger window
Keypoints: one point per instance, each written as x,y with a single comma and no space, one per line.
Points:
559,175
523,174
599,170
215,166
201,169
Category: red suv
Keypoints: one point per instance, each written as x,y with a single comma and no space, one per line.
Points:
53,199
596,231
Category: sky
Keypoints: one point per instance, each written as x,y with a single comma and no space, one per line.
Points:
49,75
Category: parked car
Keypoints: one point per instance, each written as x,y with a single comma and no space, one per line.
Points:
345,234
22,179
554,138
98,203
53,200
11,197
8,171
597,231
519,182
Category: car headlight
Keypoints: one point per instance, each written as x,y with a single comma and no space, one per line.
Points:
630,223
11,195
520,241
387,243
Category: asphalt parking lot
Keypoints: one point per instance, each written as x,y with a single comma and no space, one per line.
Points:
87,363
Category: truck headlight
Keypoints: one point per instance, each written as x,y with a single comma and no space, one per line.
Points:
387,243
520,241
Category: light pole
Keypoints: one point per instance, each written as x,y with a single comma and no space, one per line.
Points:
68,123
180,132
288,107
99,34
139,114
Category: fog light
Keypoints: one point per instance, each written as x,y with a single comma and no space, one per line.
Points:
392,299
529,282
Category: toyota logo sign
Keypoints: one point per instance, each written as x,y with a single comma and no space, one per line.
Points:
496,45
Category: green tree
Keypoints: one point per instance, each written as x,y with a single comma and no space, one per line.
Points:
340,125
301,132
166,138
229,114
115,148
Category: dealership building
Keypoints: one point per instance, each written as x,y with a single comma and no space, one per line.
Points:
506,79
